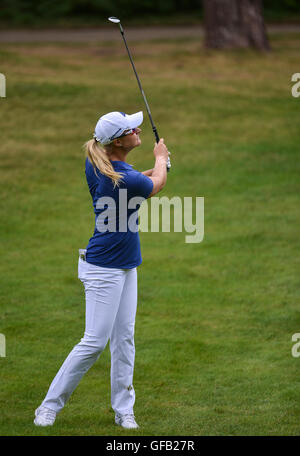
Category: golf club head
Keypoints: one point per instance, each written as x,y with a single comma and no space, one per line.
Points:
114,19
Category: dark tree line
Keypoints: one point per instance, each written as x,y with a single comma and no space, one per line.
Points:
26,12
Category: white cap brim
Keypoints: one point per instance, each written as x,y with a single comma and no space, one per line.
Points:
135,120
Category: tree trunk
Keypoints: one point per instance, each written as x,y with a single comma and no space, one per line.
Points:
234,24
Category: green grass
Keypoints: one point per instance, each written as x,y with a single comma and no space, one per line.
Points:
215,319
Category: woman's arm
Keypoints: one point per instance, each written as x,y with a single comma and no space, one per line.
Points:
159,174
148,172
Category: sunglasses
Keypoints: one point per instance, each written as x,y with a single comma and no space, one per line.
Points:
129,133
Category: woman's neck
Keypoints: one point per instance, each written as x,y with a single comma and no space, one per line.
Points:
117,155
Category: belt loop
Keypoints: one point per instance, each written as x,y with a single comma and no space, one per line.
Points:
82,254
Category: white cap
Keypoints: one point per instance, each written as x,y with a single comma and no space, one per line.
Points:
112,125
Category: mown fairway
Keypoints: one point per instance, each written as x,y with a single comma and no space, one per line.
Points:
215,319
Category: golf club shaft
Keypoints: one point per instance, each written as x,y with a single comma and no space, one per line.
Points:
115,20
140,85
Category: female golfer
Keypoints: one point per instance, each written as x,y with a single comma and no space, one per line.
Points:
108,266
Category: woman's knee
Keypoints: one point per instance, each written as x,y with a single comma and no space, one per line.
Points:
91,345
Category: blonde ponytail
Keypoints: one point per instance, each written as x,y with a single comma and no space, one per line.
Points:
99,159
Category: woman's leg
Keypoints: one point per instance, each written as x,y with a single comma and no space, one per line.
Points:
103,290
122,348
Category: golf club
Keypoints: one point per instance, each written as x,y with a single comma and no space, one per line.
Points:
115,20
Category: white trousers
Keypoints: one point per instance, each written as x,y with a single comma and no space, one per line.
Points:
111,302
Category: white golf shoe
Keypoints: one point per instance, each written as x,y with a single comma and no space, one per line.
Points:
44,416
126,421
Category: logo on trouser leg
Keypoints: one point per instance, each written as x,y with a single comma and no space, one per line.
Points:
130,387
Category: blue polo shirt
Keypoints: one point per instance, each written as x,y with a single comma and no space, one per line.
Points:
115,242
